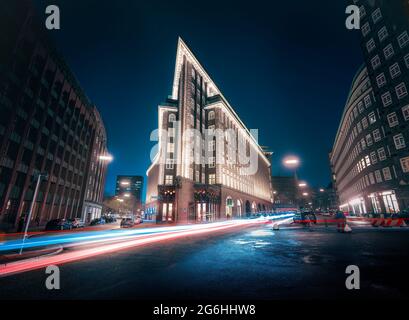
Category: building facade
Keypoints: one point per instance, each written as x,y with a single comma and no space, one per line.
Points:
47,125
370,157
130,187
285,191
194,178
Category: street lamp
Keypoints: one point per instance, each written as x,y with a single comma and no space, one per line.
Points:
106,157
39,177
305,194
302,184
322,190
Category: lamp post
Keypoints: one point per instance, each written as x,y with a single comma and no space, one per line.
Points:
39,177
293,162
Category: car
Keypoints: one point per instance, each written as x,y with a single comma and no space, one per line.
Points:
305,218
127,223
77,223
59,224
97,221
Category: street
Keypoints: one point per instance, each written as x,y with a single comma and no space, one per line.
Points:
249,262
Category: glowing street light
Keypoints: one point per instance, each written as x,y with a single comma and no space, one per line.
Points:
302,185
305,194
127,195
322,190
106,157
120,200
291,162
124,183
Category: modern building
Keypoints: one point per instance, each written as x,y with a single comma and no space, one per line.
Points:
285,192
200,172
47,125
130,187
370,156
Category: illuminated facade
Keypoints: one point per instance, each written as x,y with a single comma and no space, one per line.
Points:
203,183
370,157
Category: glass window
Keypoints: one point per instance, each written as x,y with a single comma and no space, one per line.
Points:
376,62
399,141
405,112
386,99
376,15
382,34
387,173
393,120
388,51
404,162
381,80
394,70
403,39
401,90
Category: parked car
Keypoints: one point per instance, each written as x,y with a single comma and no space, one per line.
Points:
97,221
109,219
127,223
58,224
77,223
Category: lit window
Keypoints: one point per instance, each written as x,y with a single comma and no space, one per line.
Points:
370,45
367,161
381,154
168,180
387,173
405,112
372,117
382,34
381,80
388,51
401,90
404,162
212,178
399,141
394,70
393,120
403,39
171,147
376,15
377,135
386,99
169,164
375,62
212,162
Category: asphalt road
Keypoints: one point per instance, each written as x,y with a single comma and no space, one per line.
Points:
248,263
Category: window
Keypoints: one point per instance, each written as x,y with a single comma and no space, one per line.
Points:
367,100
401,90
375,62
366,29
377,135
355,112
362,11
211,145
364,123
386,99
405,112
376,15
212,178
407,60
168,180
403,39
370,45
211,162
371,178
378,176
372,117
359,126
382,34
387,173
169,164
363,144
404,162
393,120
381,154
211,115
361,107
374,159
367,161
369,140
394,70
388,51
381,80
171,147
399,141
172,117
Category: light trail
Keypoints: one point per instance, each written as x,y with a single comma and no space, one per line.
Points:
177,232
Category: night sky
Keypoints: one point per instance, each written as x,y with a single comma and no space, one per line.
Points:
286,68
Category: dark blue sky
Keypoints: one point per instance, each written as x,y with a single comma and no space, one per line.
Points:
286,68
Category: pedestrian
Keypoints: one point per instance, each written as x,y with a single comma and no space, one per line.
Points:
341,220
